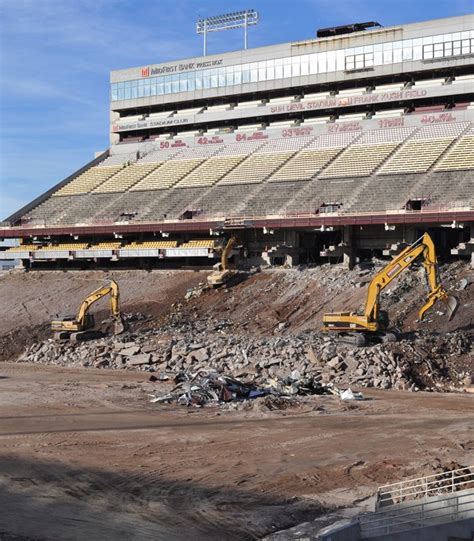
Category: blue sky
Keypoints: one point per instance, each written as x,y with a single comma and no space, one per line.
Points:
55,58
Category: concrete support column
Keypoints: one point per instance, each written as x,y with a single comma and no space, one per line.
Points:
348,256
291,260
114,137
410,235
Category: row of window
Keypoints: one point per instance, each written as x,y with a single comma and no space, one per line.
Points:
447,45
428,52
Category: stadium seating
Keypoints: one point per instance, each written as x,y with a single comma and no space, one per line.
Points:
256,168
422,150
126,177
211,171
189,111
261,164
416,156
390,87
268,198
383,193
172,171
389,113
51,210
372,171
359,160
200,243
248,104
305,165
118,159
171,203
150,244
217,108
65,246
363,157
160,115
111,245
460,156
167,175
309,161
88,180
23,248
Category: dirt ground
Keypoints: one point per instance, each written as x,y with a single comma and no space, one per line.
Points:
84,455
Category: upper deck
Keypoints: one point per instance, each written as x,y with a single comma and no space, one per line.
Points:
418,47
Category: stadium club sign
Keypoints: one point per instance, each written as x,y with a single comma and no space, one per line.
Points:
177,68
310,105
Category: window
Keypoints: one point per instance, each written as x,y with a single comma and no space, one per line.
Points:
427,51
448,48
359,61
426,48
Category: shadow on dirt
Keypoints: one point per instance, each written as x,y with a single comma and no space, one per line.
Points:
49,500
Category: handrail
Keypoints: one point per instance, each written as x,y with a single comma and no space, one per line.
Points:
252,217
419,515
450,481
426,477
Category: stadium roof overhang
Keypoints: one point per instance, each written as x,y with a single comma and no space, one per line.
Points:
276,222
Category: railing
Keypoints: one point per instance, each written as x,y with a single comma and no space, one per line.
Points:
250,217
418,515
424,487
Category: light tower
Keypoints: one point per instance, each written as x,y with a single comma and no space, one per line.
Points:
229,21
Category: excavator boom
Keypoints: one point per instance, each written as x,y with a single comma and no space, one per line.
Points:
373,318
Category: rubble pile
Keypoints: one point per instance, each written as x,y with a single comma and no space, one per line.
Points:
419,362
206,387
196,337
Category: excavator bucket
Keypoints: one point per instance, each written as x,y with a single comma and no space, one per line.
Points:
119,326
452,304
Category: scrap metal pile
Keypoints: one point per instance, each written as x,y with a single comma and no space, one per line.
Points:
206,387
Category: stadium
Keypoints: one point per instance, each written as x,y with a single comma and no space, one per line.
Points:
250,315
349,144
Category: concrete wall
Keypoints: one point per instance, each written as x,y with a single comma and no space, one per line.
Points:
462,529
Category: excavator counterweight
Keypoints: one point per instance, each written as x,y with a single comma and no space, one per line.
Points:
374,320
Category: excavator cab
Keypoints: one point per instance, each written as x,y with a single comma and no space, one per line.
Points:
82,326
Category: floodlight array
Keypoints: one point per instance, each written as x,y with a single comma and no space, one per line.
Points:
227,21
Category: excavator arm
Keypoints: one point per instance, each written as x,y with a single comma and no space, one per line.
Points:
221,272
370,320
422,247
226,252
96,295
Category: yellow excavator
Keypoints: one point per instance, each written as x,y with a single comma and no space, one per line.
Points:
222,273
82,326
357,328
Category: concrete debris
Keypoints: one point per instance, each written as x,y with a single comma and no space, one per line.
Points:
348,394
199,335
310,359
463,284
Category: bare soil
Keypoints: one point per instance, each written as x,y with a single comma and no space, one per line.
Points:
83,455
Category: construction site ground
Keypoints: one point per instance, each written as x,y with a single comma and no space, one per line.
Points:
85,455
